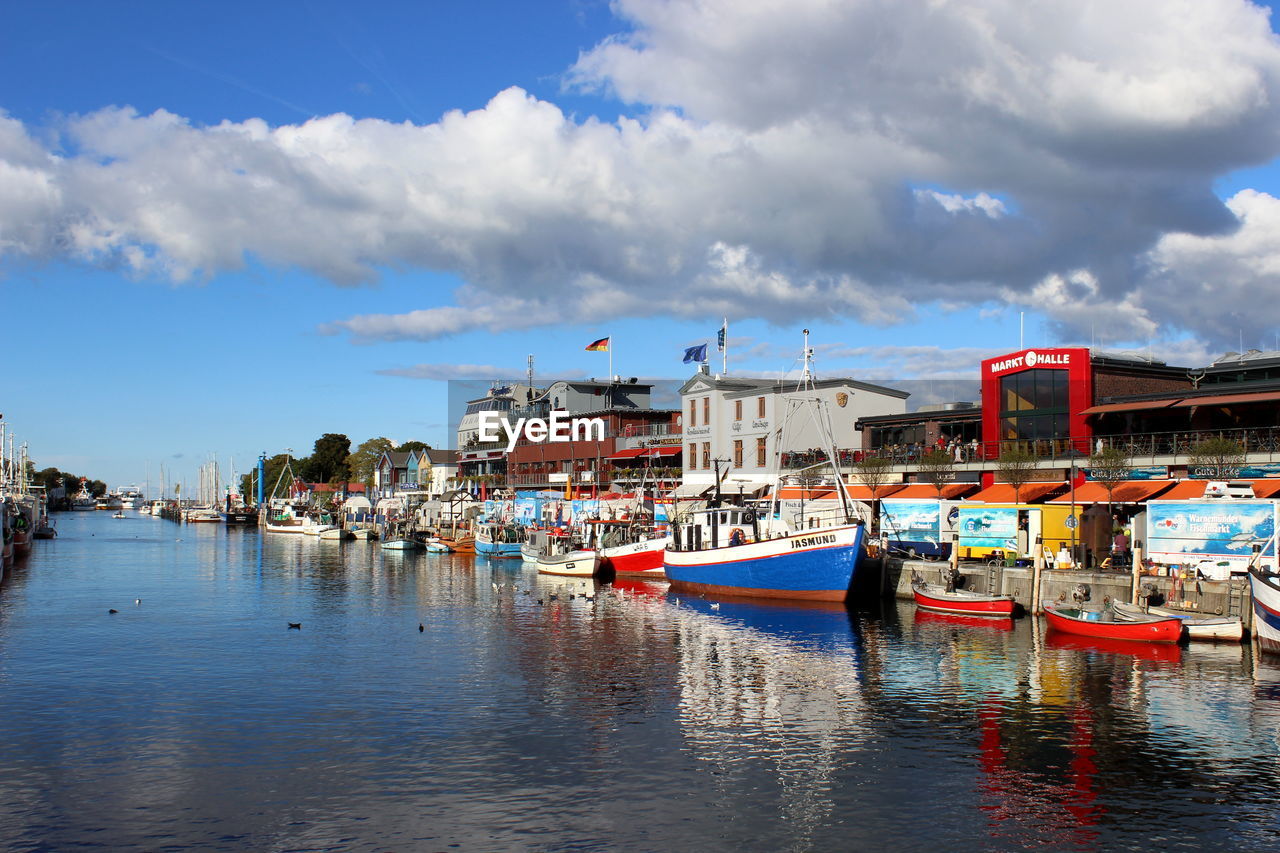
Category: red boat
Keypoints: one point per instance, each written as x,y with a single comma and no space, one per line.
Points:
1103,624
960,601
637,559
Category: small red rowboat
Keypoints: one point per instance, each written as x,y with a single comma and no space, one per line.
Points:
937,599
1093,623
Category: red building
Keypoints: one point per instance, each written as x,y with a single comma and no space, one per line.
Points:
634,440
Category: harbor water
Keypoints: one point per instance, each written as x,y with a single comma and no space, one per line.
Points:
445,702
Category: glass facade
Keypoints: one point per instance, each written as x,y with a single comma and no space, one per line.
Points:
1034,406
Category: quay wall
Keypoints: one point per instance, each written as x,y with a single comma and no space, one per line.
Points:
1211,597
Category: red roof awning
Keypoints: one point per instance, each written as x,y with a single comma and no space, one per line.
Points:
1131,407
663,452
1231,399
631,453
1266,488
923,491
1125,492
1003,493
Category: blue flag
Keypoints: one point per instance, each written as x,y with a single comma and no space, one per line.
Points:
720,335
698,353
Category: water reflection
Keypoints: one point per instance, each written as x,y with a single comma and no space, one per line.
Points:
548,713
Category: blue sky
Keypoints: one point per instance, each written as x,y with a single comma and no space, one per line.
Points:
200,254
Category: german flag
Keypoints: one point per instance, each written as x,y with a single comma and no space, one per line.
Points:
601,345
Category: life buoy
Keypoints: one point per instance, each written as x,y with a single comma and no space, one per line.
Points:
737,537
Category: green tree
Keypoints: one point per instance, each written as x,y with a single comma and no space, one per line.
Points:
1217,458
1110,466
413,445
363,459
1016,467
328,459
937,468
97,488
874,472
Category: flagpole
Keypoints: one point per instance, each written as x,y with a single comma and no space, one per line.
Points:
724,348
610,348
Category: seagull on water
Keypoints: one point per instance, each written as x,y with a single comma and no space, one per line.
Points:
421,628
297,625
113,610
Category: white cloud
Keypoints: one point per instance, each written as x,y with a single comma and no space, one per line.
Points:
798,160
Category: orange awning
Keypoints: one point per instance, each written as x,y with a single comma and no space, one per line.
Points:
1266,488
924,492
1230,399
630,453
1002,493
1130,407
1185,490
828,493
1125,492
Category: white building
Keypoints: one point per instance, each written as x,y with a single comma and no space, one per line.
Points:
747,423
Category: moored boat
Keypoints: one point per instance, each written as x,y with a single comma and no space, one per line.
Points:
200,515
1211,628
1265,587
1105,625
335,534
632,551
400,543
715,554
499,540
940,600
566,556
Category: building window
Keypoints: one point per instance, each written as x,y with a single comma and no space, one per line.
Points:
693,413
706,454
691,454
737,453
759,407
761,454
737,410
706,411
1034,406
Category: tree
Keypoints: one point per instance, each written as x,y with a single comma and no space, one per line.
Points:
937,468
328,459
1016,467
364,458
1110,466
874,473
1217,458
413,445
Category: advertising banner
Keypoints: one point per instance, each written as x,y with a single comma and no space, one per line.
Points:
911,521
988,527
1210,533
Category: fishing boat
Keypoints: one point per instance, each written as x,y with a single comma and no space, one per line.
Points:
1211,628
315,525
118,514
566,556
45,531
462,543
82,500
1104,624
284,519
363,532
715,554
495,539
1265,587
723,549
201,515
334,533
941,600
435,546
632,550
400,543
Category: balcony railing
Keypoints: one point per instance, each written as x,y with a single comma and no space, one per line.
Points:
1157,448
